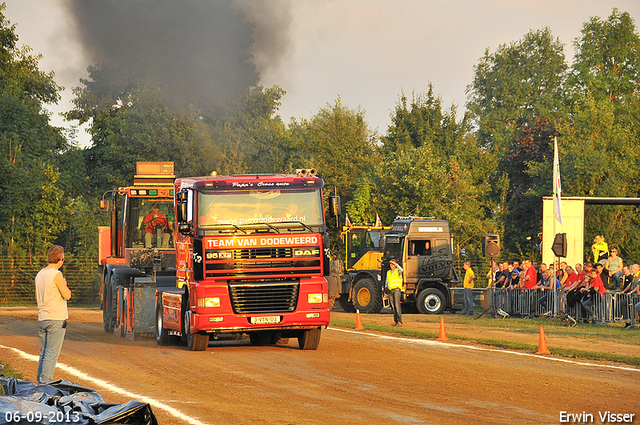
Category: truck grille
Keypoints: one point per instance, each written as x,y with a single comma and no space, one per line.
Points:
243,254
264,297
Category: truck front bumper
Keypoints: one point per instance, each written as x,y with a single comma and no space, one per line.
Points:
216,323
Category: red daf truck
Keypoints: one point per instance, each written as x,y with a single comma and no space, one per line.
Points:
251,257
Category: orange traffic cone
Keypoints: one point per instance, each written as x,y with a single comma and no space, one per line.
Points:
542,343
359,326
443,334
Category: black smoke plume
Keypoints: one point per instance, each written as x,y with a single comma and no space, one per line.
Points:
201,52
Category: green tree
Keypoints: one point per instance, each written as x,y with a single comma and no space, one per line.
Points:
511,87
607,59
31,205
434,167
599,144
361,209
415,123
336,142
254,138
130,122
515,100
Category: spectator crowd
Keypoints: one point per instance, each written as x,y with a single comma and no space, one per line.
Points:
560,288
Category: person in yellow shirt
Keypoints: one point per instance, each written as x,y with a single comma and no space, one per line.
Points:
395,285
469,276
600,250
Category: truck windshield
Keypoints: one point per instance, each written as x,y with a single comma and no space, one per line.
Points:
393,246
255,207
374,239
150,223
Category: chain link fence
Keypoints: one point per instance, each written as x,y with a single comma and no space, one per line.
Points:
17,285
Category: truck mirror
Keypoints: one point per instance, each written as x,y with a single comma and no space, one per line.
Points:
335,209
181,207
185,229
181,212
104,205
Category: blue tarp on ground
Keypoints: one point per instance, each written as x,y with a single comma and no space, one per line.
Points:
63,401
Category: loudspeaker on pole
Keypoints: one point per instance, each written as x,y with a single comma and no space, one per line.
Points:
559,246
490,245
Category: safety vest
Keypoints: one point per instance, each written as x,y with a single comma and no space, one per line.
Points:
394,279
600,251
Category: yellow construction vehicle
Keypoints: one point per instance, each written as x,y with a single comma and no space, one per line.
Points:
357,280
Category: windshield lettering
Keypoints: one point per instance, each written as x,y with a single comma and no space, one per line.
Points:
268,206
263,241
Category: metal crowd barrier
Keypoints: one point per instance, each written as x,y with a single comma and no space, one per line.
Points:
624,308
607,308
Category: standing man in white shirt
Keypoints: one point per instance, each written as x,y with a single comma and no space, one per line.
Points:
52,295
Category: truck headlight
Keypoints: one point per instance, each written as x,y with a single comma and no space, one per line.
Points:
209,302
315,298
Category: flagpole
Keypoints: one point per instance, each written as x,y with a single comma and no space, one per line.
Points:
555,213
557,194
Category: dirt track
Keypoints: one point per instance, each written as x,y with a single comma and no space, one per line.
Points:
354,377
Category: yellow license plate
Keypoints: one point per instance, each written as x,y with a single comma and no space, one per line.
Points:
265,320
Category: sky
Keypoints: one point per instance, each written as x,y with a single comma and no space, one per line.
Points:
365,52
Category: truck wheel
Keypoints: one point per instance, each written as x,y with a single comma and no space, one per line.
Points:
261,338
367,296
309,339
119,321
195,342
162,334
346,305
431,301
110,312
332,302
106,300
276,338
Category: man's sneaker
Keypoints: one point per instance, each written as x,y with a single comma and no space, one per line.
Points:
399,324
628,325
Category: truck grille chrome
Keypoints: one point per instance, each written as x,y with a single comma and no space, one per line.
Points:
264,297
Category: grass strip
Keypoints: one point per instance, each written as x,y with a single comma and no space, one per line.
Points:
498,343
9,371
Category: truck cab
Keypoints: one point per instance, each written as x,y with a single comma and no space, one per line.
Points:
358,275
252,258
422,246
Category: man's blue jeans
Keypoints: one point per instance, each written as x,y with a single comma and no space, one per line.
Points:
396,303
588,304
51,337
617,277
468,301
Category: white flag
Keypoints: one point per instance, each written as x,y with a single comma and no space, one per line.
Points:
347,222
557,189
